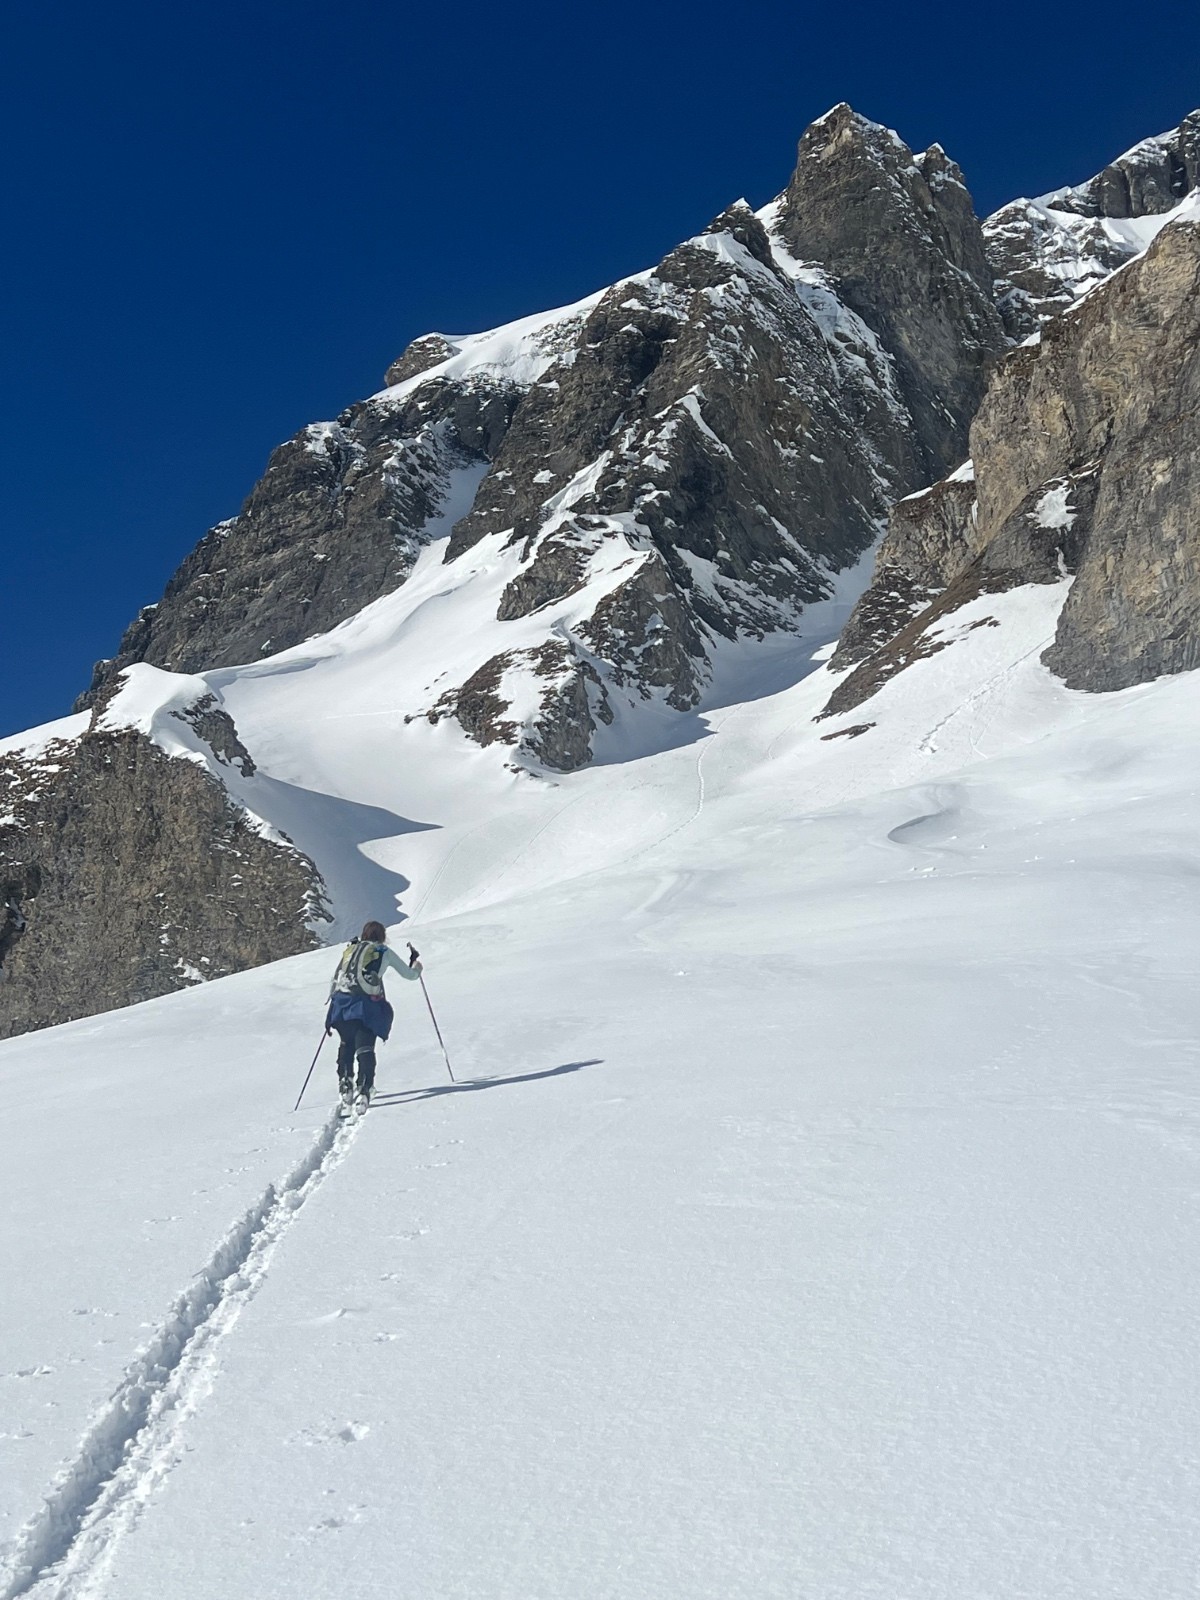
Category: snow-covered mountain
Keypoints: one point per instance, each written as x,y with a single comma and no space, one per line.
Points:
692,455
549,539
814,1209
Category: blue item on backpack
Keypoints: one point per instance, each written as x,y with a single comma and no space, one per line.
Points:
369,1012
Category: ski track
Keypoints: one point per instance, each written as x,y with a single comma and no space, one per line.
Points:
498,877
698,810
65,1550
929,745
415,916
503,871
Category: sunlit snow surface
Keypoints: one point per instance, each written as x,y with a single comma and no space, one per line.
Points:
816,1215
33,744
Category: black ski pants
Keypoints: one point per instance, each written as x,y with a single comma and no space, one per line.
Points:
356,1041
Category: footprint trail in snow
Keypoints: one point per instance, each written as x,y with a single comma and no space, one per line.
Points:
65,1550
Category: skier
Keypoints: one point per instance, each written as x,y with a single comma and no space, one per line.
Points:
359,1011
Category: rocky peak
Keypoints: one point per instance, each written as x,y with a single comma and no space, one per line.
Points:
430,350
744,225
1146,181
689,455
1047,253
898,236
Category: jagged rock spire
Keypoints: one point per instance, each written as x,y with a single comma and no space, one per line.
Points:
899,236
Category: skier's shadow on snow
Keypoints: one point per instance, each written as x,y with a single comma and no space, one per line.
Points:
402,1097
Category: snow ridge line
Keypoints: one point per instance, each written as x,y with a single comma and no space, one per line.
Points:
131,1443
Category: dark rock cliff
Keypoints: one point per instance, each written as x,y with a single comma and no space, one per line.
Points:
337,520
126,874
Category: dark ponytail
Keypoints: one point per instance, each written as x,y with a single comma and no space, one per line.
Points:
375,932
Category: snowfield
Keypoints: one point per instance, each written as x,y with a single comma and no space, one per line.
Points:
815,1214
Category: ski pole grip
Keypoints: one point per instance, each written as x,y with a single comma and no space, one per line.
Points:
413,954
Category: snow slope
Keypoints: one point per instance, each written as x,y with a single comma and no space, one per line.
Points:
398,811
815,1214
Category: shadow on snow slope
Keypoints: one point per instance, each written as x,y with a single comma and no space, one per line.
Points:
407,1096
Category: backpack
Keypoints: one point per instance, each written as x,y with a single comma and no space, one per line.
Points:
358,970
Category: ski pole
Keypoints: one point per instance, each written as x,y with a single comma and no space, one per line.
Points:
320,1047
412,957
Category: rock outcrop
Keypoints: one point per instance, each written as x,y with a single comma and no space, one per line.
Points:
734,433
1086,456
126,874
339,518
1146,181
1047,253
927,545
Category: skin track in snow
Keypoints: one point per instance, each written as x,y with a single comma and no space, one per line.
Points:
63,1552
863,1266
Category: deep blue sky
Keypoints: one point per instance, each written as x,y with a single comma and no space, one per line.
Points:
223,221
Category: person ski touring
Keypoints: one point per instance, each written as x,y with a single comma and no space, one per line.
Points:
359,1011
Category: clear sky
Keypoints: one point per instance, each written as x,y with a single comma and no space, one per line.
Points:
223,221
